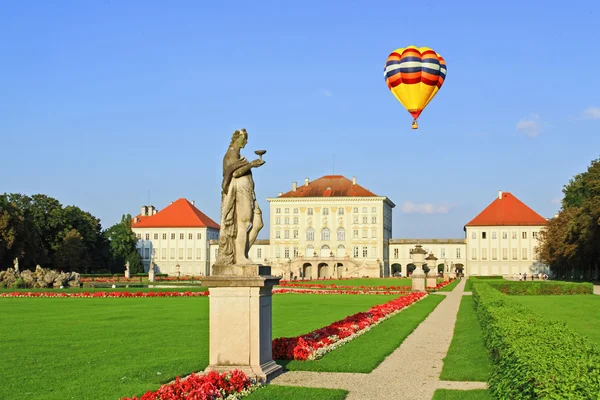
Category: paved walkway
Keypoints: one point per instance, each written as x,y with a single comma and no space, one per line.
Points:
412,371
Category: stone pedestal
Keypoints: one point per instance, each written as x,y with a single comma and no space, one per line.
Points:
241,320
127,274
446,277
431,280
418,280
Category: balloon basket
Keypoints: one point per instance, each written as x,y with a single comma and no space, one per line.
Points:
415,125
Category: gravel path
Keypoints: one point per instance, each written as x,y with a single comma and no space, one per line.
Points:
412,371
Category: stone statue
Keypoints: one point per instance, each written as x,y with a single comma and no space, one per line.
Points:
127,272
16,264
241,218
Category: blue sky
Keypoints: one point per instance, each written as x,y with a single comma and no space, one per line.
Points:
103,103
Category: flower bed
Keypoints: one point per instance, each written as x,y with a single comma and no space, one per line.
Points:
229,385
313,291
316,344
105,294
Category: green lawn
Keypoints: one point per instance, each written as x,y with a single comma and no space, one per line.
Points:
366,352
450,287
580,312
272,392
446,394
467,358
61,348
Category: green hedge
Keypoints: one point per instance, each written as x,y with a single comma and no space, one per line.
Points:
487,277
533,357
541,288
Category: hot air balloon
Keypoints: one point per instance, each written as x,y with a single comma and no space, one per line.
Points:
414,75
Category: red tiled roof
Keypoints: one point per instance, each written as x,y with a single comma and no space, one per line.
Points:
506,212
330,186
179,214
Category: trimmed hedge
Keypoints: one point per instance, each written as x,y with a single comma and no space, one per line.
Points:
541,288
486,276
533,357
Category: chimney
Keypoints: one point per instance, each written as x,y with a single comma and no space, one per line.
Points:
294,186
354,180
144,211
193,202
500,194
305,181
151,210
155,211
280,193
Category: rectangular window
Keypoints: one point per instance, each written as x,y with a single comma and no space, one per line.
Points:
514,253
181,236
514,235
373,209
473,235
259,252
139,236
374,233
504,235
190,255
172,236
524,235
355,234
172,254
373,220
181,254
493,235
277,234
287,211
355,219
458,252
365,251
190,236
365,220
199,236
309,211
163,253
395,253
286,252
505,253
295,211
277,251
147,253
373,251
147,236
295,220
473,254
483,235
278,220
295,252
340,211
364,210
198,254
164,236
325,211
524,253
355,209
296,234
484,254
277,210
355,252
534,234
365,234
494,254
286,234
443,252
156,236
286,220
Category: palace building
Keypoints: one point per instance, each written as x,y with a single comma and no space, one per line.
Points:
334,227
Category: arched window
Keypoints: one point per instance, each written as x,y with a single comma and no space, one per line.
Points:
341,234
310,251
341,250
325,234
310,234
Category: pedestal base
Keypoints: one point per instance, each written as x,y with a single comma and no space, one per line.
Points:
446,277
431,281
418,281
241,321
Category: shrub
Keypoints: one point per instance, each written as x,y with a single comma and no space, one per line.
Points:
542,288
534,357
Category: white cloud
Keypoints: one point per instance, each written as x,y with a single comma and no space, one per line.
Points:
326,92
425,208
591,113
531,125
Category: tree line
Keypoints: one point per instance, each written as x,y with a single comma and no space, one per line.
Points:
570,243
39,230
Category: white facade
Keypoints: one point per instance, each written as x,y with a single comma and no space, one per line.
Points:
449,252
503,250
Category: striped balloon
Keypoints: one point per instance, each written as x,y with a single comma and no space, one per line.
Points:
414,75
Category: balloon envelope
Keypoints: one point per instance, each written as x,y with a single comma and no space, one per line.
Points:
414,75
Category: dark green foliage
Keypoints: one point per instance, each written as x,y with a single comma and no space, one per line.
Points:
534,357
541,288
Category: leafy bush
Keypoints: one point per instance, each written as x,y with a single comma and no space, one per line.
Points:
541,288
534,358
486,277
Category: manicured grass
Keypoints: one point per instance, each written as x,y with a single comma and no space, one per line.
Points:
366,352
360,282
271,392
580,312
467,358
446,394
63,348
450,287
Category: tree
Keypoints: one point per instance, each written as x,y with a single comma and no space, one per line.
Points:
72,254
123,242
